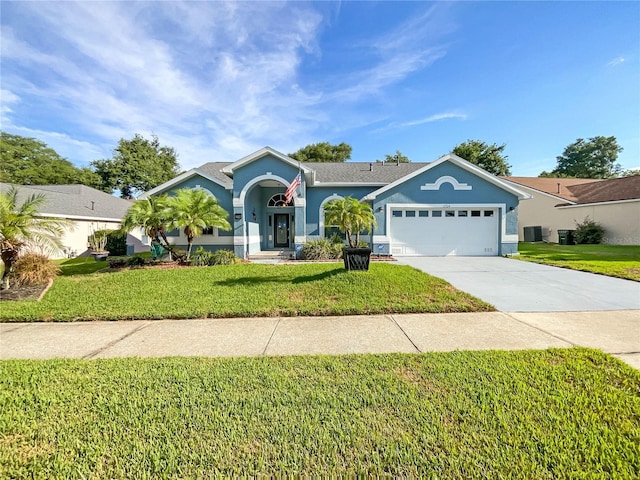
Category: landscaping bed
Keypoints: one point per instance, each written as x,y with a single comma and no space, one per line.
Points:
559,413
243,290
622,261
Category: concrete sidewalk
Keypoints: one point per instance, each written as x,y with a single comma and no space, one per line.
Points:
615,332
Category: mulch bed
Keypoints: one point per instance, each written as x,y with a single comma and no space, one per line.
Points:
31,292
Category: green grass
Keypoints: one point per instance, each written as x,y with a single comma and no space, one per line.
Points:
243,290
80,266
621,261
565,413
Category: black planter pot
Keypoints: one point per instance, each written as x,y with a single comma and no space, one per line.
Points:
356,258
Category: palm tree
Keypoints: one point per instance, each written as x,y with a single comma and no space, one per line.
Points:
152,215
350,216
22,227
193,211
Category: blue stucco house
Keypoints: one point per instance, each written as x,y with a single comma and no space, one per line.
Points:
445,207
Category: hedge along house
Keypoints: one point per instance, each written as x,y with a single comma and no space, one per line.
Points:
446,207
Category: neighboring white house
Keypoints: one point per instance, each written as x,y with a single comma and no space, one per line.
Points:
560,203
87,208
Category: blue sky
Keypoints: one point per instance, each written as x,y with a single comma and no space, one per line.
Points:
217,81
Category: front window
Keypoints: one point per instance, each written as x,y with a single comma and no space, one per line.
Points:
278,200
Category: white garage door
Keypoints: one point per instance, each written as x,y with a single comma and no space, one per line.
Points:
437,232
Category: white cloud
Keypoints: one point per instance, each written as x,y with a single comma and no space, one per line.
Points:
214,80
616,61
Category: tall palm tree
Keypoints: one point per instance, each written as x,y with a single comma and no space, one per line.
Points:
21,227
193,211
350,216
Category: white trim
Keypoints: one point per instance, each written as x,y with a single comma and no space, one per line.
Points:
239,240
299,239
181,178
263,152
381,239
334,196
575,205
80,217
254,180
202,240
462,164
446,179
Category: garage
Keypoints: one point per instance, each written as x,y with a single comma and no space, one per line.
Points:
470,231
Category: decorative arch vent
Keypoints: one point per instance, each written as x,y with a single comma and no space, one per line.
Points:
278,200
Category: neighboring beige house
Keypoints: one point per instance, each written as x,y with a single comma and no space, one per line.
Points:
560,203
87,208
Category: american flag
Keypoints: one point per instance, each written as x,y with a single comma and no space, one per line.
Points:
295,183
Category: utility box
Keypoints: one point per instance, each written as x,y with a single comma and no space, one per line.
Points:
533,234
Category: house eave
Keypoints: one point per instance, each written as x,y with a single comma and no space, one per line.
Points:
181,178
263,152
612,202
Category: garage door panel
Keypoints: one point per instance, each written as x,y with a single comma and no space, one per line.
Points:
445,235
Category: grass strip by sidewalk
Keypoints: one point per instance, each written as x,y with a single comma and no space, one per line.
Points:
622,261
558,413
243,290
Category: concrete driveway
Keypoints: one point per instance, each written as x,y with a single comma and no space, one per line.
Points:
516,286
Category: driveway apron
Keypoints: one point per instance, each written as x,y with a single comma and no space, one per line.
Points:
516,286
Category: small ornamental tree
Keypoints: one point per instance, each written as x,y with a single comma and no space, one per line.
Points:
350,216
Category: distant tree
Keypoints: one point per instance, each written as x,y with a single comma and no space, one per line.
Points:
22,227
632,172
138,165
323,152
398,157
592,158
487,157
28,161
193,211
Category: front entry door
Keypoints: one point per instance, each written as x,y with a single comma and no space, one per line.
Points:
281,230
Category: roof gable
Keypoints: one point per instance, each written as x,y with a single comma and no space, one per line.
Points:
474,169
263,152
212,171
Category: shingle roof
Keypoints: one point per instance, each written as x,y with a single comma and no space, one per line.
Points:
615,189
585,190
558,187
362,172
74,200
213,169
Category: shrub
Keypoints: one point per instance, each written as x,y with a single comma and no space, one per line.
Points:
117,262
33,269
224,257
117,242
322,249
201,258
588,231
136,261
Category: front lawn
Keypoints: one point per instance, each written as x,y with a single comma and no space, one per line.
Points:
243,290
621,261
564,413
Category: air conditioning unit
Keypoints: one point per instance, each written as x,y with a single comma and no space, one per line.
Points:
533,234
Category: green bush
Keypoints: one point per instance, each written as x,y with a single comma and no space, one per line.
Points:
33,269
224,257
322,249
136,261
117,243
589,232
117,262
203,258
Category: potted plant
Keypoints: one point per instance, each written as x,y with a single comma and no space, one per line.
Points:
97,245
352,217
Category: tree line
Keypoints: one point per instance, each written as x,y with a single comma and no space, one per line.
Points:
140,164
